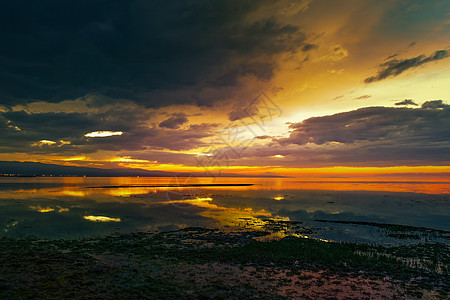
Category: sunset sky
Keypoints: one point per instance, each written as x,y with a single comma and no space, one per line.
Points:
314,88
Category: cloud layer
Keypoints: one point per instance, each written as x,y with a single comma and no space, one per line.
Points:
367,136
138,50
71,133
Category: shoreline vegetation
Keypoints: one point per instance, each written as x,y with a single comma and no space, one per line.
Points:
196,262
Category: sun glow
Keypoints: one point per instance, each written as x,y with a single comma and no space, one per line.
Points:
129,159
204,154
77,158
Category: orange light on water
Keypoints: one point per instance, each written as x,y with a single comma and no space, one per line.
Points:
101,219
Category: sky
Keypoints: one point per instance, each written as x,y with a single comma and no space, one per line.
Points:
308,88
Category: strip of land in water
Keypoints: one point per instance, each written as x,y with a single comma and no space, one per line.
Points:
391,227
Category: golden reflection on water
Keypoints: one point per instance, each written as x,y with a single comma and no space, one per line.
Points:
415,185
81,186
47,209
229,216
408,187
74,193
247,214
124,192
42,209
101,219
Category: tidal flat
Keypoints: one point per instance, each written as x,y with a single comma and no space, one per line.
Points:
199,263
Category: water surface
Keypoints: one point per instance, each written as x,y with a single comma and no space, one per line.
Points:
72,207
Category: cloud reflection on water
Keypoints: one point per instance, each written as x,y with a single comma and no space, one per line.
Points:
54,211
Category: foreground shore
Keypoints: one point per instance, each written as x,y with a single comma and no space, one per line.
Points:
208,263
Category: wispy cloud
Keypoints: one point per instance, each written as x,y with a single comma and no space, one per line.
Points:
175,121
363,97
406,102
395,67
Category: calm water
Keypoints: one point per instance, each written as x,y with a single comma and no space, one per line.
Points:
74,207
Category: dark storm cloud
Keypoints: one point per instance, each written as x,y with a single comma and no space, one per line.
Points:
52,125
60,128
374,123
368,135
179,140
22,132
434,104
56,50
406,102
263,70
175,121
395,67
153,138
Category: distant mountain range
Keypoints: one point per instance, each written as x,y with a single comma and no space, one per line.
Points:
40,169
